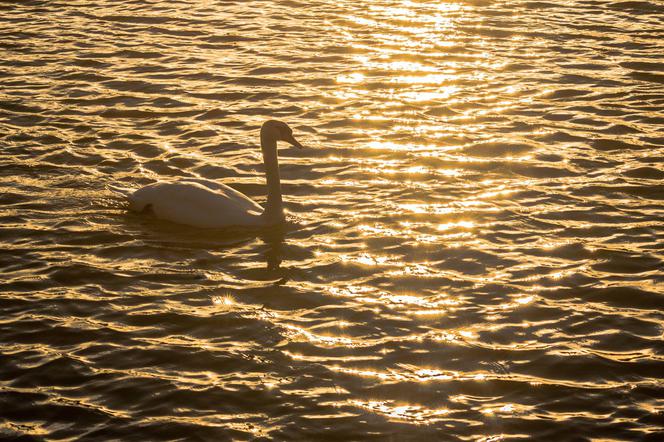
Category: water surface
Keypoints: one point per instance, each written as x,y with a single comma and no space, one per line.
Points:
475,247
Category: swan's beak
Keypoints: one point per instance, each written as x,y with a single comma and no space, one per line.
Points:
293,142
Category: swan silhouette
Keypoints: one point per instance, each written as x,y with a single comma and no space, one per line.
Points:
206,204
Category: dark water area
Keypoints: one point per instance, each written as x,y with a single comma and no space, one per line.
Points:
475,239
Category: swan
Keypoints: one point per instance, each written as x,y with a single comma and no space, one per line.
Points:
205,204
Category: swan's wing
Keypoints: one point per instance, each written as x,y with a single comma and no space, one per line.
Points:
212,185
238,198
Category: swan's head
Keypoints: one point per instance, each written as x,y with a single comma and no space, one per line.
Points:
280,131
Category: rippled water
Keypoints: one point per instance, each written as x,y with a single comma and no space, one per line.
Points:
475,247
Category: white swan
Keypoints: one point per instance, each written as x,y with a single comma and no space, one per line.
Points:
213,205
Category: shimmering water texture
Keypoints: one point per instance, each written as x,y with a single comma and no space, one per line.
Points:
475,242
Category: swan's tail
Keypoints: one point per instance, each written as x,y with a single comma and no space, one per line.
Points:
128,195
138,199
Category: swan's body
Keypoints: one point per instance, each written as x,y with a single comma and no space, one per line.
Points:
207,204
196,204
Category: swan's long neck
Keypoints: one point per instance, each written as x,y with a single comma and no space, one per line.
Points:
274,206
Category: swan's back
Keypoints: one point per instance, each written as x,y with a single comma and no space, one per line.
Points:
198,204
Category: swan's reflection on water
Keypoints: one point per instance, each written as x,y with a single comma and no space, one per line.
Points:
275,241
209,246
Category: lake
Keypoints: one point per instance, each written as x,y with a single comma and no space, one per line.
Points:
475,238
